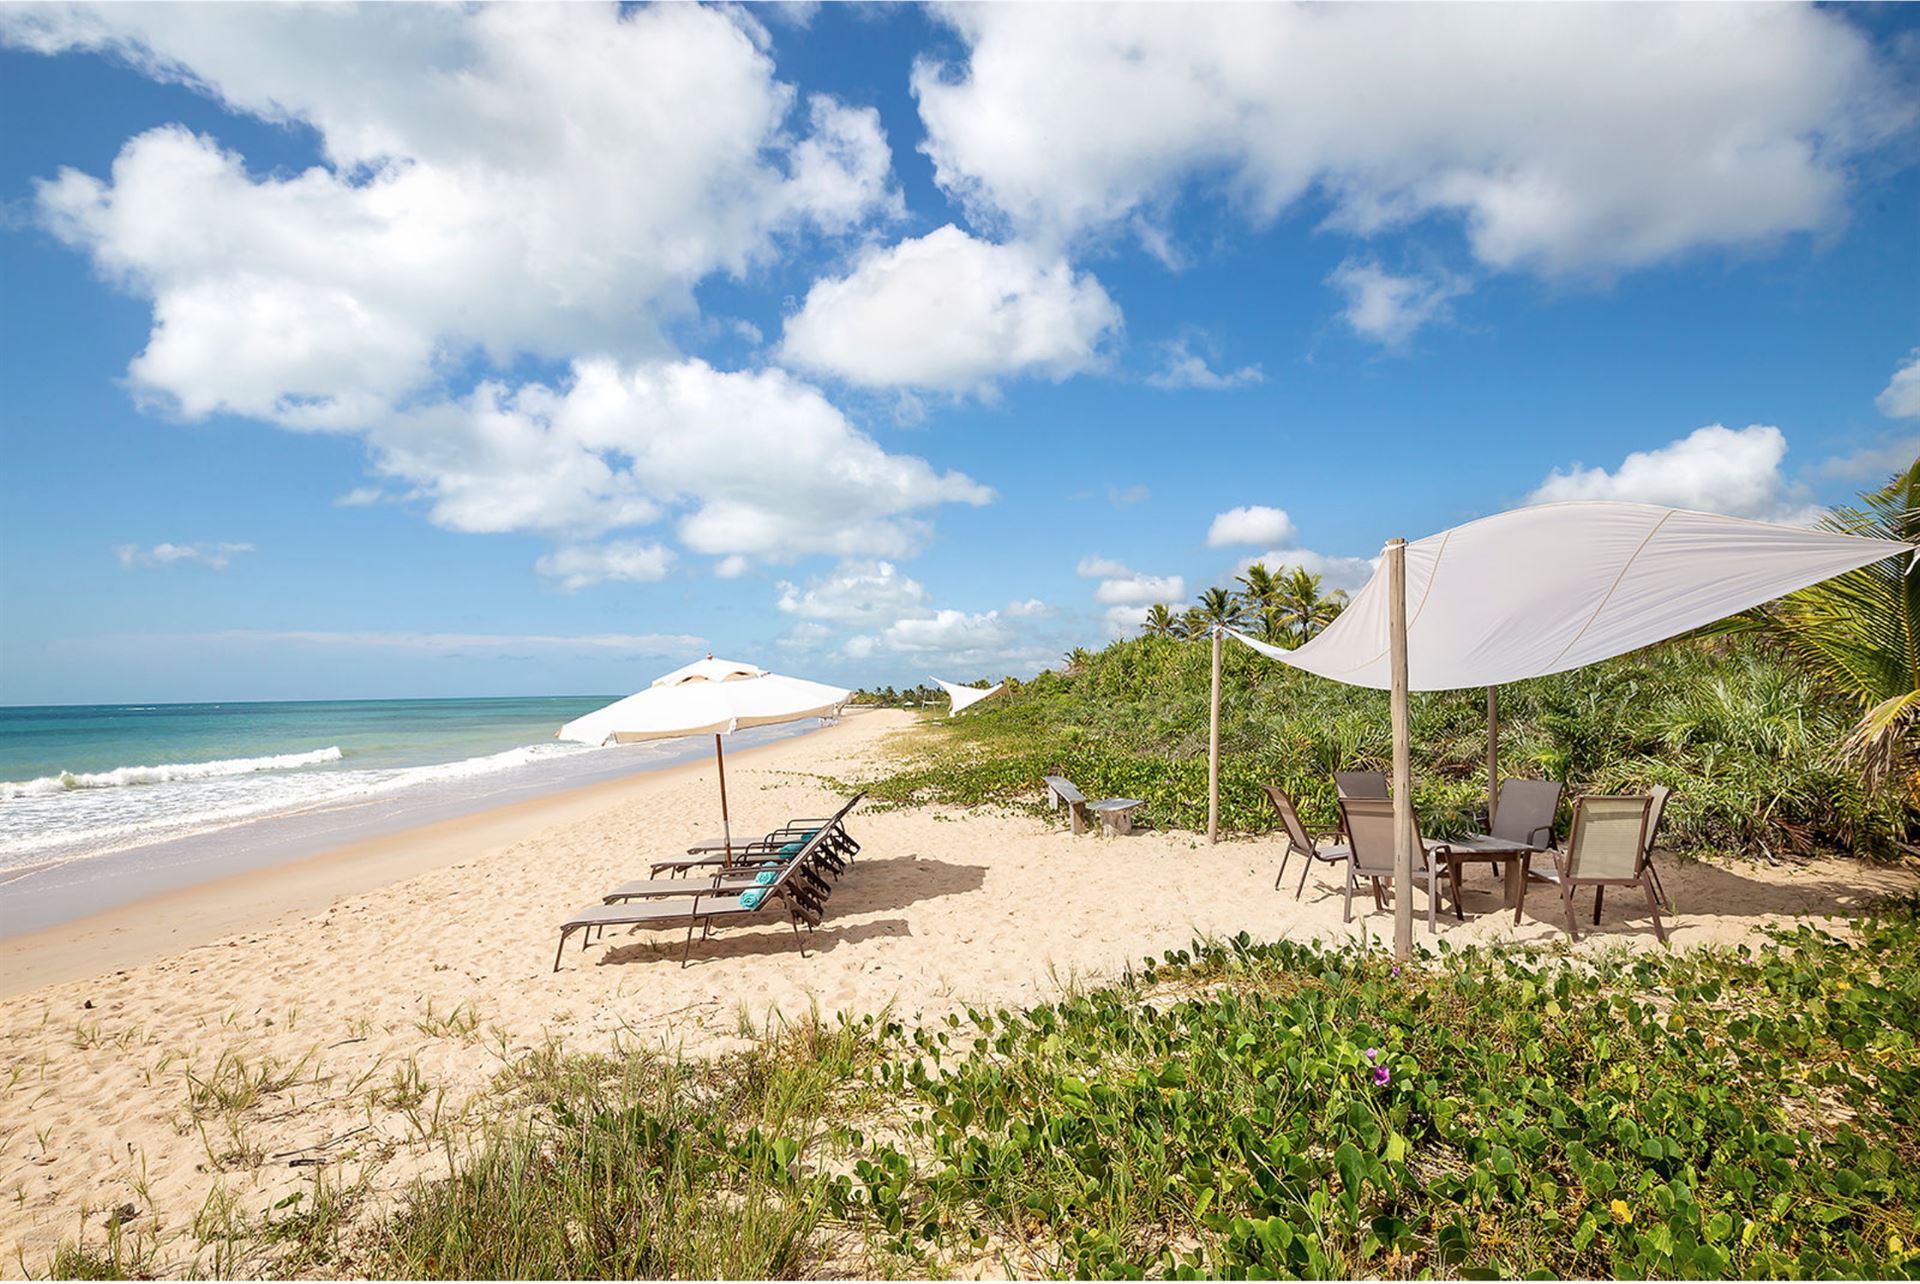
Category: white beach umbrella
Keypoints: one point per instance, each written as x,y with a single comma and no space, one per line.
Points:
708,697
964,697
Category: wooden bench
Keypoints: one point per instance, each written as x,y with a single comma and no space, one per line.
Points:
1116,814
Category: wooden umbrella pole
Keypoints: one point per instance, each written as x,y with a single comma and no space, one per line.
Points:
726,825
1396,556
1213,747
1493,753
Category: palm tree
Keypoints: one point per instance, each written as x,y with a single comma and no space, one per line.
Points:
1303,609
1160,622
1858,634
1193,624
1218,606
1260,590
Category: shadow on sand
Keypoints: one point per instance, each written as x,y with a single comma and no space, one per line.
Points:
873,885
1699,890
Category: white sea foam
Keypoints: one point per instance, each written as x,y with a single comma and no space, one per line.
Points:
57,823
123,776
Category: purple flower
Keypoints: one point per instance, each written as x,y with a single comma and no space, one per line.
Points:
1373,1055
1396,969
1382,1076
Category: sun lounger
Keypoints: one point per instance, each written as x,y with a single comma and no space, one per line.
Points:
738,877
839,842
1301,841
1607,846
1369,826
788,891
1116,814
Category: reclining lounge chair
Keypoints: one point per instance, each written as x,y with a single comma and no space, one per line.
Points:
787,890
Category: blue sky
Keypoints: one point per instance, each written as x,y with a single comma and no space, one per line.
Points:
465,352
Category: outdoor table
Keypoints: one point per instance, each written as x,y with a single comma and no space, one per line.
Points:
1485,847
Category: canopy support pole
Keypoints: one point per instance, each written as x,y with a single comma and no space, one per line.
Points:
726,825
1493,753
1396,567
1213,747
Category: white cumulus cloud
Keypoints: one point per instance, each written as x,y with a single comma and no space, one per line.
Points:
1565,139
217,556
1714,469
1251,524
855,591
507,179
578,565
1389,309
746,465
1181,367
1901,397
949,312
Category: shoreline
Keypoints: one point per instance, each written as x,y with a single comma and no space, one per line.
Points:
180,919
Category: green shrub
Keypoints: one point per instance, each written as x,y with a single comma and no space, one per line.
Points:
1247,1111
1750,748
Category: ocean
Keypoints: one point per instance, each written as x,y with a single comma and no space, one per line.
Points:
101,804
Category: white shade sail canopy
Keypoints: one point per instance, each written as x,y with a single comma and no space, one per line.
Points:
1541,590
963,697
707,697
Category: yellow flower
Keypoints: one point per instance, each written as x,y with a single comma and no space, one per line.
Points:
1621,1213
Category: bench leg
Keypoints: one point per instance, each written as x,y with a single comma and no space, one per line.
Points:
565,932
1079,813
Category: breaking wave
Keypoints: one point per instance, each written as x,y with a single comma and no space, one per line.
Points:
121,777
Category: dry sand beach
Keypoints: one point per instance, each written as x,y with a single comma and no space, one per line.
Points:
203,1057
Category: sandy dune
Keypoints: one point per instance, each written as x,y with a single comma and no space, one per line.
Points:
399,1002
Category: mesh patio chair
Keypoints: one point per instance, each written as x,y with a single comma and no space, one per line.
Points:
1301,841
1606,847
1369,826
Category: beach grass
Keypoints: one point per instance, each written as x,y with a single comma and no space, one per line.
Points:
1234,1109
1751,748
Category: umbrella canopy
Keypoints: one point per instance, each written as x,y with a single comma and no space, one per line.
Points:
1541,590
707,697
963,697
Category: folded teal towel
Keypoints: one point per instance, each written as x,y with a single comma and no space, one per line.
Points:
792,849
751,898
807,833
765,877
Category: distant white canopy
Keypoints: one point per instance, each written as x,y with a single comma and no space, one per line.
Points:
1545,589
707,697
964,696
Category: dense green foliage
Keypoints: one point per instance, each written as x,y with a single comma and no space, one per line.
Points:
1253,1111
1751,747
1858,634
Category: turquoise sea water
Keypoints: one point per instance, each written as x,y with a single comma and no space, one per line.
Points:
38,743
104,804
84,782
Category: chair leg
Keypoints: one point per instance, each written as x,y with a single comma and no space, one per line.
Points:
1453,880
1519,893
1285,856
1433,894
1308,869
1660,887
563,946
1653,908
1566,903
687,951
1599,893
1379,901
1348,917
